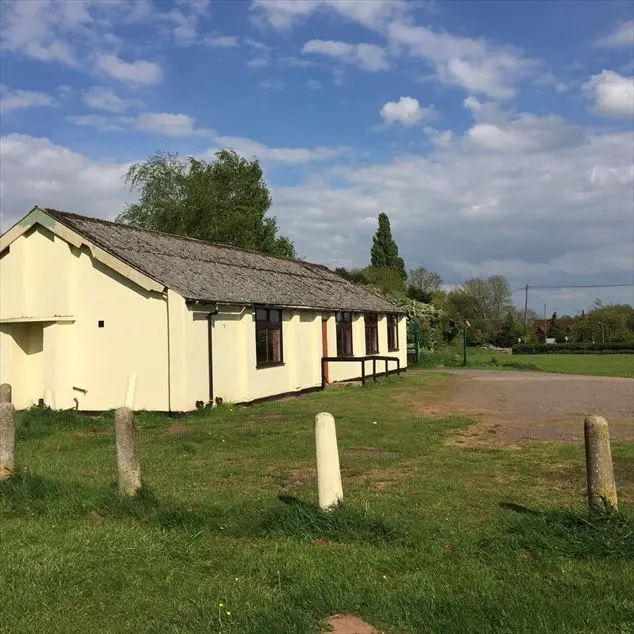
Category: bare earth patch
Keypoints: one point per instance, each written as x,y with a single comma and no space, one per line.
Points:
517,407
349,624
177,430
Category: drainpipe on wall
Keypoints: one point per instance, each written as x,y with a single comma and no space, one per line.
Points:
210,317
169,357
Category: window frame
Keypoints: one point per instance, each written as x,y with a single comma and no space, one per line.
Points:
373,327
343,325
268,326
392,326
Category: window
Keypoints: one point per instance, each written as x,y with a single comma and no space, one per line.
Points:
268,336
392,333
344,334
371,333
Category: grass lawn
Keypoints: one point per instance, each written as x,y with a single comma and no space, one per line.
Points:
433,536
592,364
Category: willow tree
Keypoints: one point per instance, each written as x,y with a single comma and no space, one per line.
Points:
225,200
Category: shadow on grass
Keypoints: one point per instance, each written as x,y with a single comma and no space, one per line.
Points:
307,522
567,533
27,494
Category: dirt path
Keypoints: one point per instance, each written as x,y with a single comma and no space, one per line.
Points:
513,407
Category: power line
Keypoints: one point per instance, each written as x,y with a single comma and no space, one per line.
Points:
545,286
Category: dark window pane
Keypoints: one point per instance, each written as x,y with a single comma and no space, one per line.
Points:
260,314
275,346
261,346
274,316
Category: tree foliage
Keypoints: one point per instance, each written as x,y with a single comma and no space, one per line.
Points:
225,200
480,298
384,252
423,284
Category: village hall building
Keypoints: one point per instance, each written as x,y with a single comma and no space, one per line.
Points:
86,303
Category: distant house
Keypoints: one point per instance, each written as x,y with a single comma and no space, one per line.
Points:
84,303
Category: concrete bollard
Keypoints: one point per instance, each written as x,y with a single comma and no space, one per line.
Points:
130,391
5,393
128,465
7,440
599,469
328,471
49,399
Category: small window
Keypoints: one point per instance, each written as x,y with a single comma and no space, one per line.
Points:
100,323
268,336
344,334
392,333
371,333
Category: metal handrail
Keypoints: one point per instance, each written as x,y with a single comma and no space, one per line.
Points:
374,358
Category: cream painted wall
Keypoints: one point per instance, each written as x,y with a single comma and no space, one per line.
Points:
84,365
54,295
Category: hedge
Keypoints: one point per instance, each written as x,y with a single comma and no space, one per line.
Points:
620,347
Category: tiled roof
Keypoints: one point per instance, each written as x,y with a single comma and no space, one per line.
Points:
202,271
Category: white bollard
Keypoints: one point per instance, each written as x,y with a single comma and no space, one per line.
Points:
599,470
128,464
5,393
7,440
130,392
328,471
49,399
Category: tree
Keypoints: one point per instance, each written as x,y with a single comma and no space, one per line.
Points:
384,253
555,330
500,299
510,331
422,284
225,200
387,279
480,298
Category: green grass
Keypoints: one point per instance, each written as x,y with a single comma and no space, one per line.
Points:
620,365
432,536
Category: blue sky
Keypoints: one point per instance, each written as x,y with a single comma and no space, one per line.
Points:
496,135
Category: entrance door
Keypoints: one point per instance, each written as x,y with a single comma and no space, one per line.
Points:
324,344
27,369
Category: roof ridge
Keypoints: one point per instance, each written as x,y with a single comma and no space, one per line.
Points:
180,237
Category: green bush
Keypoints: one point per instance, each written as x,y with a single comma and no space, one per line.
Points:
621,347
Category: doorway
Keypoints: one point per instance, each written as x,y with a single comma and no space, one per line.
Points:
324,345
28,362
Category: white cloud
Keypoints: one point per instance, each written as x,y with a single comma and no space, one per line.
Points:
407,111
221,41
37,171
282,14
474,65
102,98
313,84
288,156
139,71
613,94
500,131
366,56
151,122
259,62
623,35
32,28
22,99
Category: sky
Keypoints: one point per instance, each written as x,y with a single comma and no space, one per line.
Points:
497,136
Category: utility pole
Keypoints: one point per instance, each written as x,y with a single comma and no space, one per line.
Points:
525,313
545,325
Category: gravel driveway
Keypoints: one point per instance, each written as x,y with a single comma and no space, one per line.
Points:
522,406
